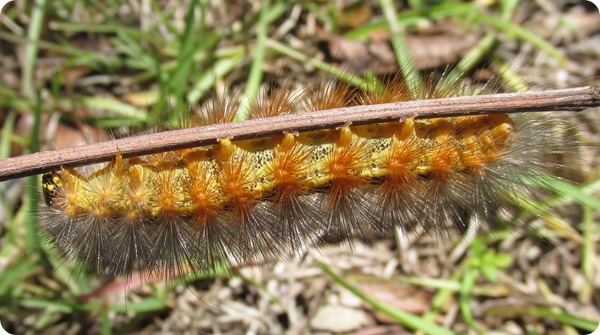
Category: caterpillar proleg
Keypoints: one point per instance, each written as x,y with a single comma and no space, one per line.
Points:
240,201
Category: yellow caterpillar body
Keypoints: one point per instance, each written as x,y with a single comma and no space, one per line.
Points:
191,209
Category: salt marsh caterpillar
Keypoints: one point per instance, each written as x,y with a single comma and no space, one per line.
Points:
191,209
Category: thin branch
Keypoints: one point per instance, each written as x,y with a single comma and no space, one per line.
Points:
573,99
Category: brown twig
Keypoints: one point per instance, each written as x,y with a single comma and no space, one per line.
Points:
573,99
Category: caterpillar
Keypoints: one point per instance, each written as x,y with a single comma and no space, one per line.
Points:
239,201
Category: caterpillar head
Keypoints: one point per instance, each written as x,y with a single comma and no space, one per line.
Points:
51,185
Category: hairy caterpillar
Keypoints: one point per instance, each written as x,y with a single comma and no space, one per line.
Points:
190,209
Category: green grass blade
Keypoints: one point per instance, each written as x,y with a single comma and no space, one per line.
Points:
407,319
256,73
562,187
405,62
33,35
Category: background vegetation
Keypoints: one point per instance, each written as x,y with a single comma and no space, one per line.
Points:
70,70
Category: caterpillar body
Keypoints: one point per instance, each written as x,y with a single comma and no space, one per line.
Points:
191,209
